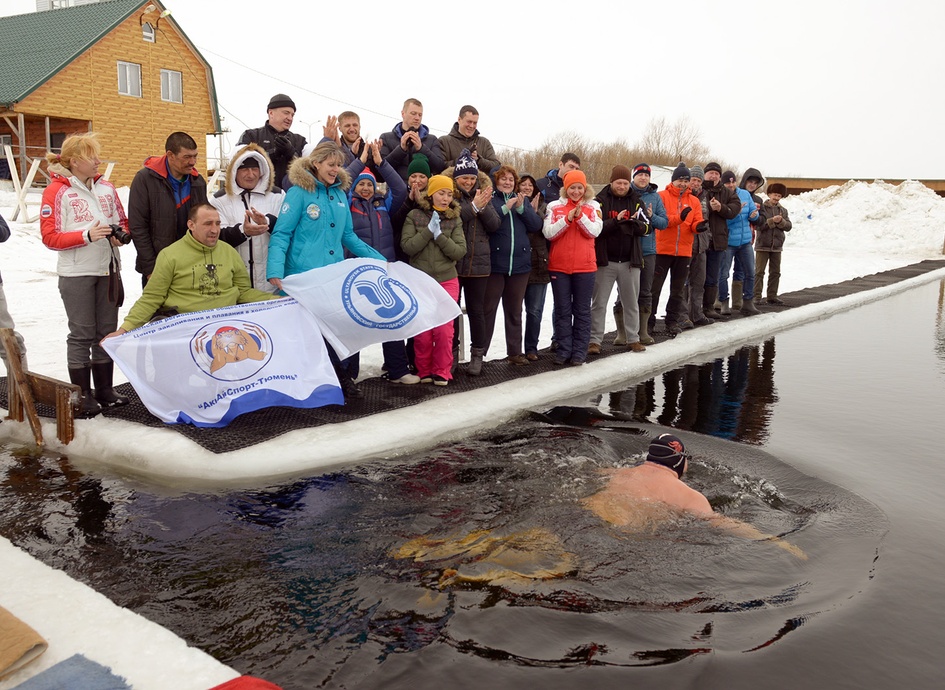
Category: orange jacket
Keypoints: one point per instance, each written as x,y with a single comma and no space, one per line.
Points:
676,239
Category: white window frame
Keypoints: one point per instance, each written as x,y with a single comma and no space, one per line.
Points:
147,32
172,84
130,74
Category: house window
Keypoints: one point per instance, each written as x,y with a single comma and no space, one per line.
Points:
129,79
147,32
5,140
171,88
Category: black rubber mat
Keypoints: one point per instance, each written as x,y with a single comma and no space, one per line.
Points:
380,395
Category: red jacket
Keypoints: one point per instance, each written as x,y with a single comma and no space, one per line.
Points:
572,244
676,239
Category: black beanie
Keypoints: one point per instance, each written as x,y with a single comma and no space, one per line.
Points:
713,166
728,176
681,171
669,451
280,100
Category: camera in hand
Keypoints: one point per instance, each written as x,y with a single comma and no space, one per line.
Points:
119,233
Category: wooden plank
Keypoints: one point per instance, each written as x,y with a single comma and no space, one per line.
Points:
20,388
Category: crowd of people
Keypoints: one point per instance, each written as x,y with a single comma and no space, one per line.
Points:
486,232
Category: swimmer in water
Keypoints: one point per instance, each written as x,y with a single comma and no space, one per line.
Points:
653,491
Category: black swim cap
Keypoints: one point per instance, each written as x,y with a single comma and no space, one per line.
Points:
669,451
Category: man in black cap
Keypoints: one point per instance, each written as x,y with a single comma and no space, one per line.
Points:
274,136
636,496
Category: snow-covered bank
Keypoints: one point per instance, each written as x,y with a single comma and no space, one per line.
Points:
74,618
164,455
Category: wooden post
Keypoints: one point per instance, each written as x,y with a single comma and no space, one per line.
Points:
18,389
26,389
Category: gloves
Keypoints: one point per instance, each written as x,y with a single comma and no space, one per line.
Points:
703,226
284,146
434,225
682,216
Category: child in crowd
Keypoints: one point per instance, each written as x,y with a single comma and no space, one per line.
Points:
772,224
572,223
370,216
433,238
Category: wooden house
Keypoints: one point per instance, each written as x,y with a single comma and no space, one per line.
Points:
121,68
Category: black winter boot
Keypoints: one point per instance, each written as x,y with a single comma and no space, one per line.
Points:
708,304
86,406
475,361
102,375
621,337
348,386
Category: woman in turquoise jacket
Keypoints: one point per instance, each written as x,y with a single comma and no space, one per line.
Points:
314,226
314,229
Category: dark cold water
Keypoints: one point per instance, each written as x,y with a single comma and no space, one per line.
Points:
474,564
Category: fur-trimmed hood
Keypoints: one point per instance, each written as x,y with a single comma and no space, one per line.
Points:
302,174
266,181
425,204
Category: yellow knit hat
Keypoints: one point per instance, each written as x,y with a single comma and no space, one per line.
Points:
438,182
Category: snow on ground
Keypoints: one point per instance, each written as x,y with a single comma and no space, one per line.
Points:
839,233
63,610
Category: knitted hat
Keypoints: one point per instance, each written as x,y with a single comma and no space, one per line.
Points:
680,172
641,168
572,177
620,172
669,451
438,182
777,188
249,162
728,176
280,100
465,165
714,166
419,164
365,175
696,171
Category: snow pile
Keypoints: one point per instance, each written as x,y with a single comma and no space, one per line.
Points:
859,217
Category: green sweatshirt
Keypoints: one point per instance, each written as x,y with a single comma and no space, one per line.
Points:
189,276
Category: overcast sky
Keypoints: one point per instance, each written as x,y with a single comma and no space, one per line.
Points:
809,88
